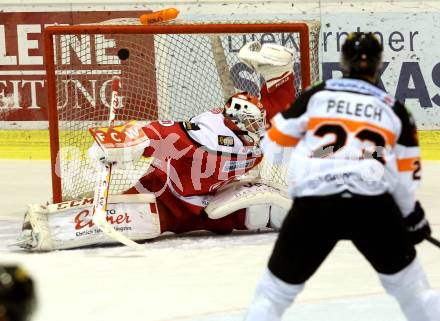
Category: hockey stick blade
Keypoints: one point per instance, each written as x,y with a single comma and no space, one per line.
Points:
432,240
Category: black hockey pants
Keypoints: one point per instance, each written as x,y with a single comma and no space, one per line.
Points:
315,224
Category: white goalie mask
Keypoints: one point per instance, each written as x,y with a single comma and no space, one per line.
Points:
248,113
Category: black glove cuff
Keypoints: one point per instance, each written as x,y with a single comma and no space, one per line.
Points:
417,216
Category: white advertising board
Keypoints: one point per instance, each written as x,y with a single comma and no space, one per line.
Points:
409,30
411,69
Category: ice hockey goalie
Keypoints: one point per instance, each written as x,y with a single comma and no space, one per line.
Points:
192,182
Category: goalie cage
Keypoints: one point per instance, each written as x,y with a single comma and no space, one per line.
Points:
174,71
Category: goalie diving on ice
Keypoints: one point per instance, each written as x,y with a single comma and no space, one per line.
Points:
193,181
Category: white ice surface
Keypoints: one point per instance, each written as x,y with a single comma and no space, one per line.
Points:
191,277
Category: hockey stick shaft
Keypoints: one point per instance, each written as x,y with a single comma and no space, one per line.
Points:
433,241
103,183
116,83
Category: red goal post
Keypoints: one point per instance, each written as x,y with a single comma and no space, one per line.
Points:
173,72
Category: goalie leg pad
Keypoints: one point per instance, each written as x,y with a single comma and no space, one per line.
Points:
69,224
277,216
261,216
257,217
266,205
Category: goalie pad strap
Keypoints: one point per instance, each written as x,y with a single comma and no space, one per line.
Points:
69,224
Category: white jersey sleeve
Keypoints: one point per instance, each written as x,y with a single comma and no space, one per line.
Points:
408,162
347,135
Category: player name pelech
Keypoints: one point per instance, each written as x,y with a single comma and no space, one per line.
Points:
355,109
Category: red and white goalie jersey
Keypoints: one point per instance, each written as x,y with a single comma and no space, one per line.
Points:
347,135
193,159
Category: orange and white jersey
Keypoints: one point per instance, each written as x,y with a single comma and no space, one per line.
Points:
347,135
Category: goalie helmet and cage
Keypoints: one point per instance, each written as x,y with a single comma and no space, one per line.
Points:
248,113
170,71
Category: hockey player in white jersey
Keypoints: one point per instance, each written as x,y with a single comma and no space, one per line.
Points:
353,172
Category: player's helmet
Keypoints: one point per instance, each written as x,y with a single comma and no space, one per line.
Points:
17,294
248,113
361,54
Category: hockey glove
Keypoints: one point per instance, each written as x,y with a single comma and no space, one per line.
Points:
274,62
121,146
417,225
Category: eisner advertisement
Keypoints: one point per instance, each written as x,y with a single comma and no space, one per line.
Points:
22,64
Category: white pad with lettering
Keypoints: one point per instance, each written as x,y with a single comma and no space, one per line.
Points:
69,224
263,203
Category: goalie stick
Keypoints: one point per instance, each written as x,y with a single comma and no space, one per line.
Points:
103,183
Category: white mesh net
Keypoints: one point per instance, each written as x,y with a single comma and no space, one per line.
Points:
168,76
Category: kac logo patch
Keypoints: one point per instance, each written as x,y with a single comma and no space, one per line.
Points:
190,126
226,140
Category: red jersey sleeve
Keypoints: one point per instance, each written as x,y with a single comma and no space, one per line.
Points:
279,98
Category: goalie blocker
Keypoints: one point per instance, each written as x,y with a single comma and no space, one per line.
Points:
69,224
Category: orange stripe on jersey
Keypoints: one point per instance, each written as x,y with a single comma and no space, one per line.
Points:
407,164
353,126
280,138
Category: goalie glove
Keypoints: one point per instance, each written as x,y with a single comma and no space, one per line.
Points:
121,146
274,62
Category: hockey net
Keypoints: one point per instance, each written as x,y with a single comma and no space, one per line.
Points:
173,71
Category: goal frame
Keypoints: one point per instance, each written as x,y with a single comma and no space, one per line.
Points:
301,28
